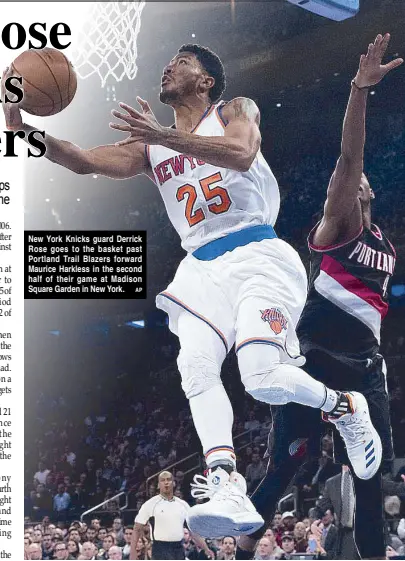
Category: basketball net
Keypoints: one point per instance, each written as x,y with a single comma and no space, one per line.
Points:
106,44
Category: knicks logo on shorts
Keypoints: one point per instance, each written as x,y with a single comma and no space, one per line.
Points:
275,319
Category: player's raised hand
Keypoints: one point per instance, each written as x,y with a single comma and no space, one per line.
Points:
11,110
371,70
142,126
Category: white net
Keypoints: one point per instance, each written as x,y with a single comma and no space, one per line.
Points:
106,44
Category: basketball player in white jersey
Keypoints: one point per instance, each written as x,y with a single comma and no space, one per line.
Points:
238,285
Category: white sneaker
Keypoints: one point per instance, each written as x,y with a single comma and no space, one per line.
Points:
229,512
362,441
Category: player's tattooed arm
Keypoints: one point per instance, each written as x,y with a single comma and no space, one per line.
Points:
242,108
342,212
235,150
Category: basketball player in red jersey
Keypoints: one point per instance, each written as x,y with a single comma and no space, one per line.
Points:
351,265
239,283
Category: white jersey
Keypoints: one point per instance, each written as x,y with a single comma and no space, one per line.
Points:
205,202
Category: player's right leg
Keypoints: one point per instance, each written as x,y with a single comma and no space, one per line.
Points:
201,315
199,362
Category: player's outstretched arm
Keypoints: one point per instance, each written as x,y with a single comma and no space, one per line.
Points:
235,150
117,162
110,160
342,208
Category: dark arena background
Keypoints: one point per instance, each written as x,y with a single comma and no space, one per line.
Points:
104,409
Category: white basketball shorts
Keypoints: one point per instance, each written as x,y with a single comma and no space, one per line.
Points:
251,295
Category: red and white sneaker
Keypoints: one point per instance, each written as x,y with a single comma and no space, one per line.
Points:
229,512
362,441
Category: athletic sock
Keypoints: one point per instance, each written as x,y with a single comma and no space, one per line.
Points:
342,406
213,419
229,467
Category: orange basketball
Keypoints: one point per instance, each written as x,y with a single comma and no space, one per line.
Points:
49,81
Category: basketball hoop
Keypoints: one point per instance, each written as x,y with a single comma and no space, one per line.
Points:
106,44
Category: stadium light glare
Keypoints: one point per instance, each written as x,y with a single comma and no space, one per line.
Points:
136,324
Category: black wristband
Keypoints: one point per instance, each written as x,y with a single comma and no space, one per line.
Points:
357,87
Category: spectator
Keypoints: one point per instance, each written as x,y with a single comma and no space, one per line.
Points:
127,538
58,534
107,470
329,539
301,543
99,480
70,456
96,524
267,549
118,531
34,551
79,499
89,550
96,497
190,550
125,480
42,473
115,552
90,472
61,503
252,423
37,536
68,484
141,549
228,548
73,549
108,542
255,472
288,522
47,547
102,533
41,502
74,535
287,545
269,534
60,550
277,521
91,534
27,541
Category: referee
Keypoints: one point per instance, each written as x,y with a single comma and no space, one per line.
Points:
167,516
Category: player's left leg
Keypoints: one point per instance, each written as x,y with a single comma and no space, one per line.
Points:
270,304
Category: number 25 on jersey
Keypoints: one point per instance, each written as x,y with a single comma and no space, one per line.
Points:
221,204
